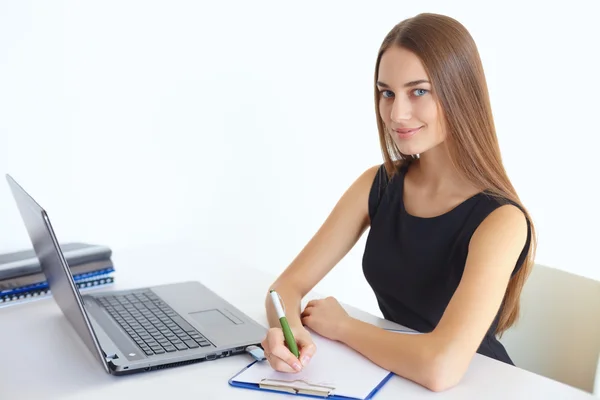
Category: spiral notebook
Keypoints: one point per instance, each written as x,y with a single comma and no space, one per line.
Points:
41,290
335,372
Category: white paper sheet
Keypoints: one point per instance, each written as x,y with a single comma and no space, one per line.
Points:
334,364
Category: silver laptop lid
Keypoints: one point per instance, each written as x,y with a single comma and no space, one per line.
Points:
55,268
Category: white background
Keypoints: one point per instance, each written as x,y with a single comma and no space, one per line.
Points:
235,126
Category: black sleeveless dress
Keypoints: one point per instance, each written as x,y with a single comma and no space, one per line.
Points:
415,264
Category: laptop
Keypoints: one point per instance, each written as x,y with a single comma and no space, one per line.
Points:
140,329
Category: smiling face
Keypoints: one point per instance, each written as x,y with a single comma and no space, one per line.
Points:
407,104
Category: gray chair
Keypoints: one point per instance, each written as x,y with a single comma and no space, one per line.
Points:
558,334
597,379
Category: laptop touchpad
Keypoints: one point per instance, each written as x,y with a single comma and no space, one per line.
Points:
211,318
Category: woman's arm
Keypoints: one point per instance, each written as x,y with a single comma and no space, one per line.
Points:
439,359
339,233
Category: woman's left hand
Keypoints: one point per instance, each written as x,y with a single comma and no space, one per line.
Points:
326,317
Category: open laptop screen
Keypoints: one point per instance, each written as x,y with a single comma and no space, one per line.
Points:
55,268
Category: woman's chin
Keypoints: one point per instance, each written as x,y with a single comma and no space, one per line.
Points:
410,152
413,150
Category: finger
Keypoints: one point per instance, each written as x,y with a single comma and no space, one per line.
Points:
283,353
276,363
312,303
307,351
279,365
305,320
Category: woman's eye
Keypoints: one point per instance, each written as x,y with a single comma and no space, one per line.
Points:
387,93
420,92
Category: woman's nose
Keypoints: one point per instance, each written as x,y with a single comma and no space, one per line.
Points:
401,110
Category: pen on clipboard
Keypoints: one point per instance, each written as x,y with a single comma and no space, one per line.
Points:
285,327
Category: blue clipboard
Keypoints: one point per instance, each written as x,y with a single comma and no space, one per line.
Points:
314,391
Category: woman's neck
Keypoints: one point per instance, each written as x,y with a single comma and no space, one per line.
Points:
435,173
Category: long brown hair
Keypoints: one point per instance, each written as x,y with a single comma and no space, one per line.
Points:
451,59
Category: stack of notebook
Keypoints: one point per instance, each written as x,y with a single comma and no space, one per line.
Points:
22,279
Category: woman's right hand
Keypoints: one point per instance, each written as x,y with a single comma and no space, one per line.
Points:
280,357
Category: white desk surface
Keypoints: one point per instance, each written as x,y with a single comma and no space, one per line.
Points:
43,358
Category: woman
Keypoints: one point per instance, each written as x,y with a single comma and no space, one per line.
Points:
449,245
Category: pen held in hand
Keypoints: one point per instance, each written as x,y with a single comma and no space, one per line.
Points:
290,341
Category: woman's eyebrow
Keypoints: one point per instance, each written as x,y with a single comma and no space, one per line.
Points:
408,84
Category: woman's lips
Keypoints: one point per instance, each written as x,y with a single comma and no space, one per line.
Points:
405,133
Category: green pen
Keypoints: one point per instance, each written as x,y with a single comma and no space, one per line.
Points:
287,332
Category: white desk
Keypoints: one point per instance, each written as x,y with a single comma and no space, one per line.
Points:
43,358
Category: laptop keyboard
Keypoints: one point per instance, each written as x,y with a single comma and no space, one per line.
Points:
152,324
